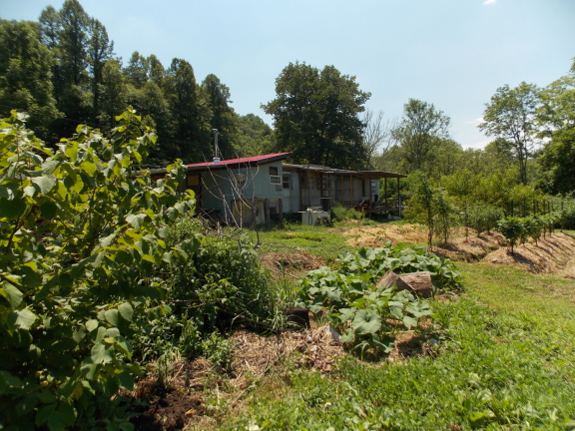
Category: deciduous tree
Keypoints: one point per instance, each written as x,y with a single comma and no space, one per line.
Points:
422,128
511,116
316,115
25,79
557,117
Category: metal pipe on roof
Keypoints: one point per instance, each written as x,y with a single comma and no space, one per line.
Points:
216,149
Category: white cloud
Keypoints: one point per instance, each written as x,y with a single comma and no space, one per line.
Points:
489,1
476,121
478,145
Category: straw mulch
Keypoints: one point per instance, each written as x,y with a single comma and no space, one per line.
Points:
554,253
377,236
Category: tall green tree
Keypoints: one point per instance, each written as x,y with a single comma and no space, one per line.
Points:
25,79
422,128
316,116
113,94
557,117
190,127
511,116
137,70
223,118
254,136
65,32
99,51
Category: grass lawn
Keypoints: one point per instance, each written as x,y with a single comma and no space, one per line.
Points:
503,358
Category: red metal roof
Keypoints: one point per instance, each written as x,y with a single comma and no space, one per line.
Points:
242,160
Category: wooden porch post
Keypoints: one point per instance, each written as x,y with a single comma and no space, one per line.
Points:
398,199
341,178
308,187
350,191
267,212
385,194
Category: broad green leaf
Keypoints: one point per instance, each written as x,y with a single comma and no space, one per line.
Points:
64,416
29,191
26,405
409,321
89,368
46,396
6,192
126,381
44,413
25,318
79,334
107,240
112,316
45,183
12,294
112,332
49,210
366,321
12,209
136,220
126,311
101,354
91,325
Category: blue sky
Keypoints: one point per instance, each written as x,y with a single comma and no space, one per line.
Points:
452,53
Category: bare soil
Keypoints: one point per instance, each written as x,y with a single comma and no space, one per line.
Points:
291,264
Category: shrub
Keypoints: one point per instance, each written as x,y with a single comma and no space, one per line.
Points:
81,241
340,213
483,217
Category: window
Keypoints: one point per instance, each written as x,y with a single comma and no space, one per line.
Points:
275,179
273,170
286,181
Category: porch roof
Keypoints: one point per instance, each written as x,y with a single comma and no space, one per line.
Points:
361,174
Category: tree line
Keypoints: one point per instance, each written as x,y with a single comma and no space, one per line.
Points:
62,70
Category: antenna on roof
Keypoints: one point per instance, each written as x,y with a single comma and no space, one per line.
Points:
216,150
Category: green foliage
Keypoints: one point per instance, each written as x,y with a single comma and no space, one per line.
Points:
360,311
483,217
512,229
341,213
517,229
25,82
509,117
557,117
81,241
376,262
422,128
223,280
508,366
433,207
316,116
219,351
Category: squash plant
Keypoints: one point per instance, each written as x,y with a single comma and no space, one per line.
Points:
367,315
81,239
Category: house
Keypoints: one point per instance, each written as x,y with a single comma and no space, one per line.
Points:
250,190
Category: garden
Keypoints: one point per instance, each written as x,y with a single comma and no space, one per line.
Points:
119,310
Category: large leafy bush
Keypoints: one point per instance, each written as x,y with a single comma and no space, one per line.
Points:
82,236
219,284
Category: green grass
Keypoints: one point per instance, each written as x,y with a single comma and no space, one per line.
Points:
504,361
320,241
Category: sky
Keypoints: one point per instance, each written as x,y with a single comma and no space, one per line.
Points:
451,53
